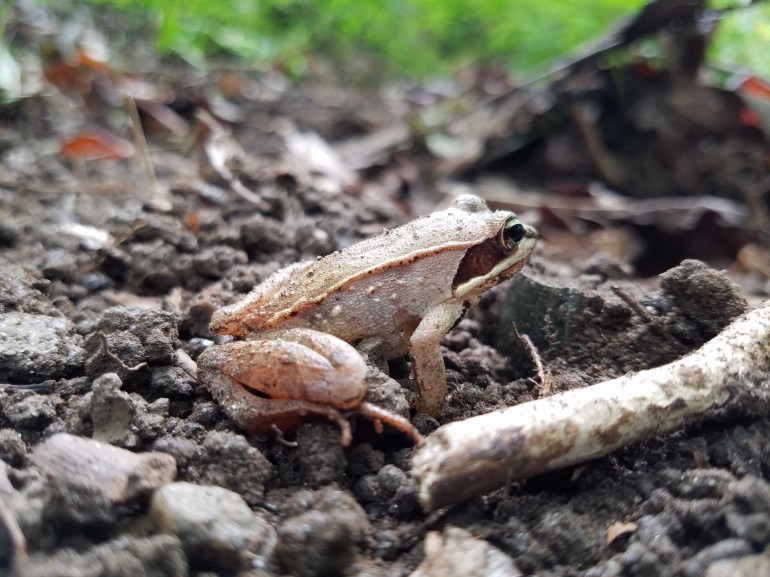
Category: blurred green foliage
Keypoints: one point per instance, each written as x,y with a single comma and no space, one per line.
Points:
410,36
416,37
742,40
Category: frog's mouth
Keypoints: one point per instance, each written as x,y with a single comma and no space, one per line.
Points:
489,263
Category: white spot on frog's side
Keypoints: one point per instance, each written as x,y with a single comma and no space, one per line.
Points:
371,289
336,311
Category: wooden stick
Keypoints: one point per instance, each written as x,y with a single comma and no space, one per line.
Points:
729,374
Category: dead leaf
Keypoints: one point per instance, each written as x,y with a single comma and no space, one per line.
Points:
754,258
193,222
755,92
314,161
221,152
619,529
157,117
96,144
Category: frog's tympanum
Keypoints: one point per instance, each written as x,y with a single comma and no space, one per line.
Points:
405,288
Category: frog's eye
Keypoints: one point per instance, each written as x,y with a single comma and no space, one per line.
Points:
511,233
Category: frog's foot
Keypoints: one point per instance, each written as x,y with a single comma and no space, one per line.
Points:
379,415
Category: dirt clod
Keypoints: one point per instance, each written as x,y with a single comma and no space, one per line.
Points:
228,460
319,454
30,411
12,447
321,541
156,556
706,296
112,412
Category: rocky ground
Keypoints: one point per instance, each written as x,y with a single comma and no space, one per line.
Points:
114,461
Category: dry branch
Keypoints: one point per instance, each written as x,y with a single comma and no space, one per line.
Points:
728,375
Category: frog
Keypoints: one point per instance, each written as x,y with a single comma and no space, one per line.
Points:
402,290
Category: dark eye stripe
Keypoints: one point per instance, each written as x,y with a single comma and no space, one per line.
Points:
478,261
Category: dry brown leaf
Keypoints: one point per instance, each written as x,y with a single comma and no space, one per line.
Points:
619,529
96,144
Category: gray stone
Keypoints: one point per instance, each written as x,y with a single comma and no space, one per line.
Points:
117,474
216,527
30,412
12,447
526,303
35,348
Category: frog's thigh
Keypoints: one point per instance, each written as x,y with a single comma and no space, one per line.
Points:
427,362
254,413
297,364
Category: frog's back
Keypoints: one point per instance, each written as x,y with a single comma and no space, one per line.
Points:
422,238
352,292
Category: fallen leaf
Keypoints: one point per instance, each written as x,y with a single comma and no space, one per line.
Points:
96,144
193,222
756,94
619,529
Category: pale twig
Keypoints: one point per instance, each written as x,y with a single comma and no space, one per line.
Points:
728,375
104,348
160,199
140,141
546,380
281,439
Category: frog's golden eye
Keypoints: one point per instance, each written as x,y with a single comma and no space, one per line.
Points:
511,233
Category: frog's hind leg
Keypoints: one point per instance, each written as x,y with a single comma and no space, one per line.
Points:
257,414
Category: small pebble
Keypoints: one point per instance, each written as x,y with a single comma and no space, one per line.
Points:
112,412
748,566
12,447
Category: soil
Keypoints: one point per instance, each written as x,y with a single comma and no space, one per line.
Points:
105,281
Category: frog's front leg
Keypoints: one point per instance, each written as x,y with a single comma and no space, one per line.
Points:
302,371
427,360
